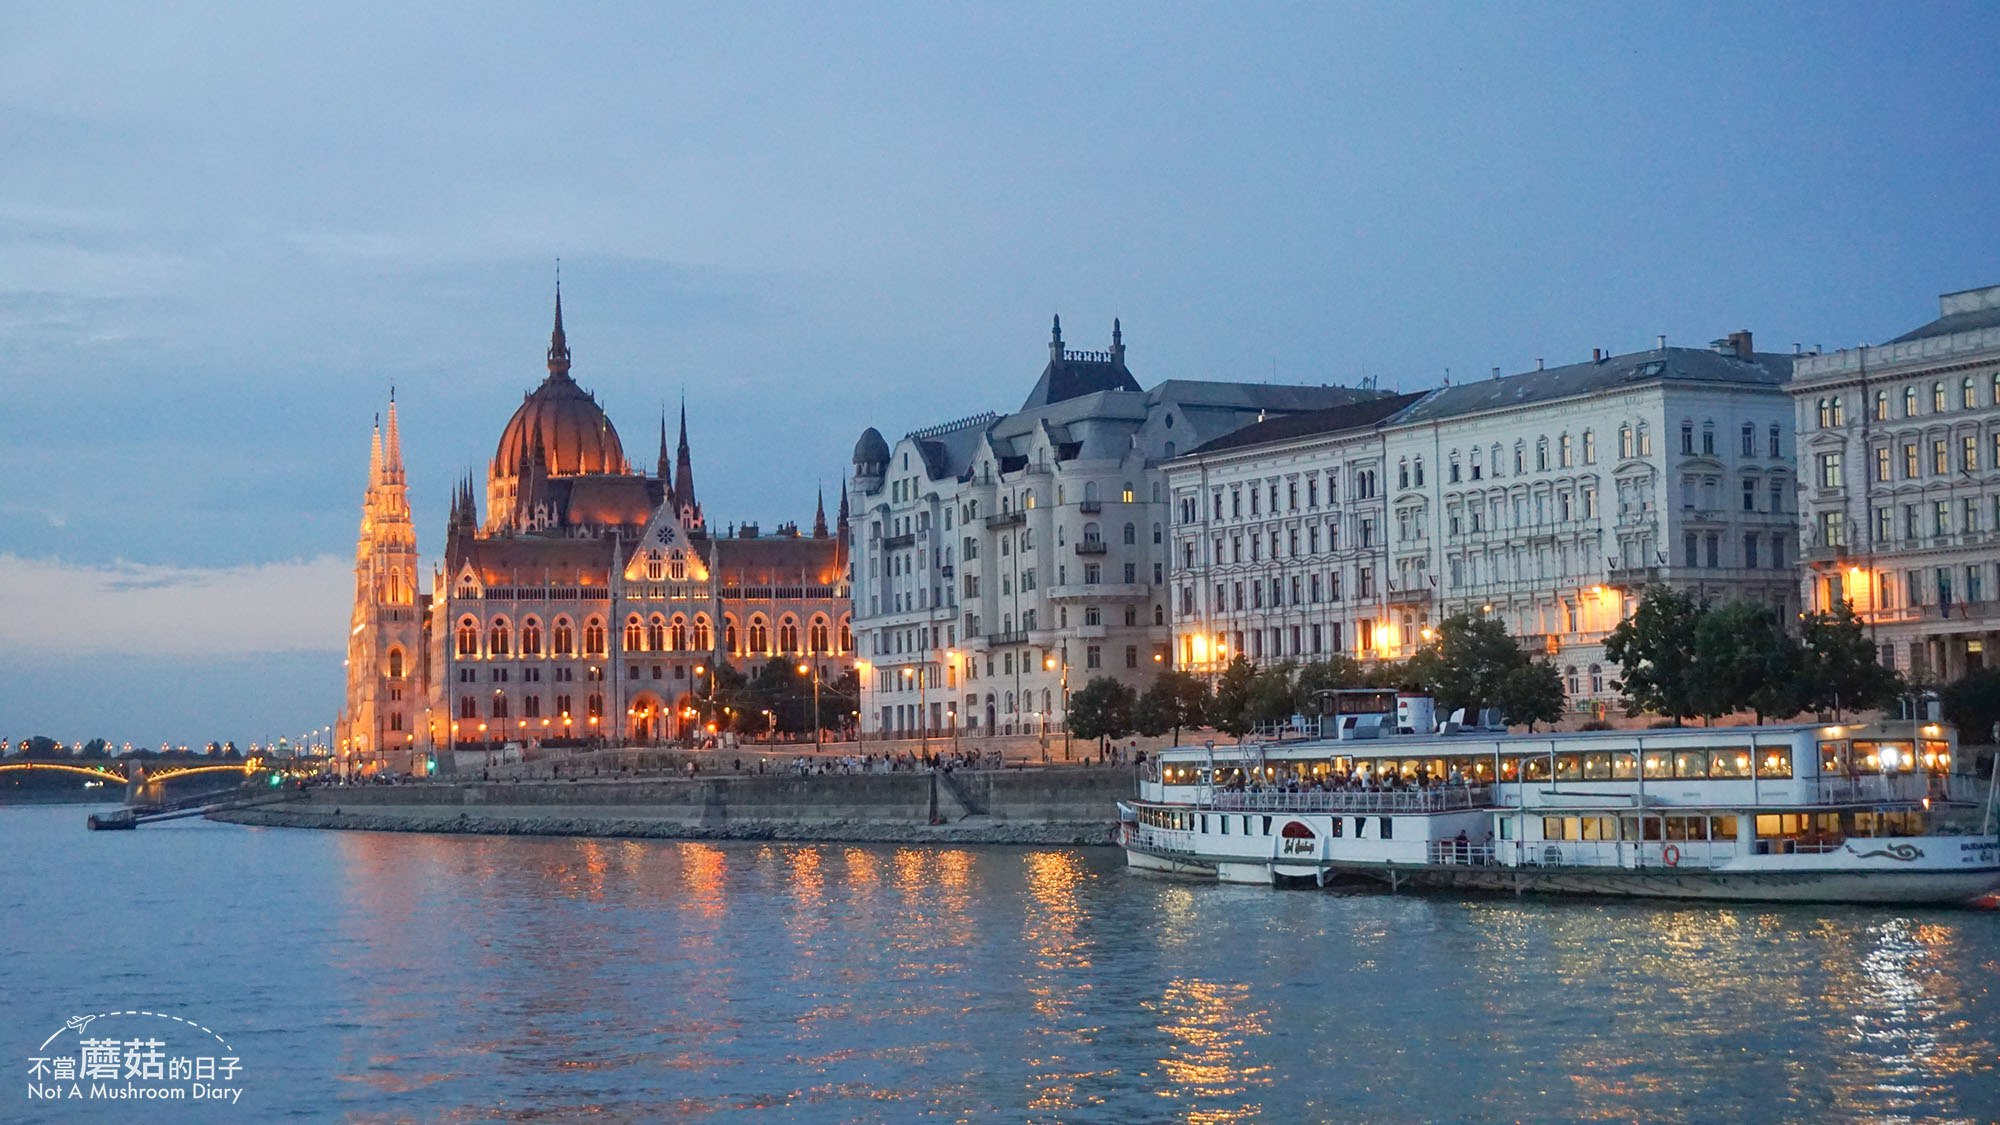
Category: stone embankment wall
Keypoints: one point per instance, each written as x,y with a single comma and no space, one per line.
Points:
1068,806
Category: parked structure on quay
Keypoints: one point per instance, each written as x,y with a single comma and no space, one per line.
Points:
1901,498
589,602
1001,562
1549,499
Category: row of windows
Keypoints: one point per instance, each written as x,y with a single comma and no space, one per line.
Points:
1264,498
1935,459
655,635
1922,522
1831,411
499,707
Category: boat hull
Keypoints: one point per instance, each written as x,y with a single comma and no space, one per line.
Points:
1874,886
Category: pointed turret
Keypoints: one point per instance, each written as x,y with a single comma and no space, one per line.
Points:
375,455
684,501
819,516
1117,343
1055,340
558,343
392,451
840,521
667,467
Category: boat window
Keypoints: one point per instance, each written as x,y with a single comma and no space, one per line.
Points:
1600,828
1246,825
1335,828
1659,763
1204,823
1774,761
1225,824
1722,828
1730,761
1885,757
1360,827
1388,828
1691,763
1624,765
1267,826
1507,828
1510,769
1568,768
1832,758
1649,827
1771,825
1596,767
1677,827
1937,757
1534,769
1628,828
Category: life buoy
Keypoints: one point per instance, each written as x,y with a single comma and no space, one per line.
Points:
1672,854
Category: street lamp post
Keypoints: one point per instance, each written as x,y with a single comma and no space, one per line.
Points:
808,670
1050,663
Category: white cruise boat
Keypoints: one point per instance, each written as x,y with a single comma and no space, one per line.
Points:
1886,812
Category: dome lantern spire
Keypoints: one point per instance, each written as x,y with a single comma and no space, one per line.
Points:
558,343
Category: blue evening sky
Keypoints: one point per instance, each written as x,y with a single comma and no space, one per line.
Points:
225,232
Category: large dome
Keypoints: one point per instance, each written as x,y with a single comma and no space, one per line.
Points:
575,435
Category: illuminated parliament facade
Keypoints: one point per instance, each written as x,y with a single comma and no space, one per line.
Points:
590,602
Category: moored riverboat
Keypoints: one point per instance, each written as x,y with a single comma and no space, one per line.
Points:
1885,812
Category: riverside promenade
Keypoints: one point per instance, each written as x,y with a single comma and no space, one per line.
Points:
1072,805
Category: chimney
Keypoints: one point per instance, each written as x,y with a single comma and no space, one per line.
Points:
1597,355
1663,341
1496,373
1740,341
1538,363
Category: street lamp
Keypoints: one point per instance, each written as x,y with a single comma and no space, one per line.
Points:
807,670
1049,663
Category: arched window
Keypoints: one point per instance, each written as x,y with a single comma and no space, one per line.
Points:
596,705
1597,679
677,635
760,635
1625,442
819,635
703,637
1131,534
788,635
531,637
846,637
593,637
729,636
497,638
1126,494
634,634
395,663
656,567
1569,674
564,636
656,634
468,637
1010,703
499,705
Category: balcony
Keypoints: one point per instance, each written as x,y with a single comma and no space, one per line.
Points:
1420,594
1099,592
1091,546
1632,577
1002,640
893,542
1006,519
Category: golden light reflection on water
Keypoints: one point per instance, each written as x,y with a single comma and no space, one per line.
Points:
1210,1071
1059,1038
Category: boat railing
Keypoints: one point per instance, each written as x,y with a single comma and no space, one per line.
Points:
1164,839
1462,854
1657,854
1869,788
1443,798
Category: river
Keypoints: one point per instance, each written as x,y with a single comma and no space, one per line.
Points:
377,977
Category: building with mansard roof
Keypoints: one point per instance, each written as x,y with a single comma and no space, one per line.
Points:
1002,562
588,603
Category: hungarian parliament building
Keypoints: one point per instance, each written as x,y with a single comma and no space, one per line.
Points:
590,601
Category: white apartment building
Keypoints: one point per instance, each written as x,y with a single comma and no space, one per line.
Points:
1901,492
1002,562
1280,538
1549,499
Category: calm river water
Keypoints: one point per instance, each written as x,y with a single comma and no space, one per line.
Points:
382,977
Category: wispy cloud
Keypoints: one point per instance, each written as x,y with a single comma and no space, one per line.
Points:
47,605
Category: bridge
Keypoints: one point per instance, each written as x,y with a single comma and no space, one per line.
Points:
124,774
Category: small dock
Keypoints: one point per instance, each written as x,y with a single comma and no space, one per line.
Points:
125,820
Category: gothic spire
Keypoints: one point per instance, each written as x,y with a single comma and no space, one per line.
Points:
375,455
665,466
392,452
558,343
819,516
684,500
